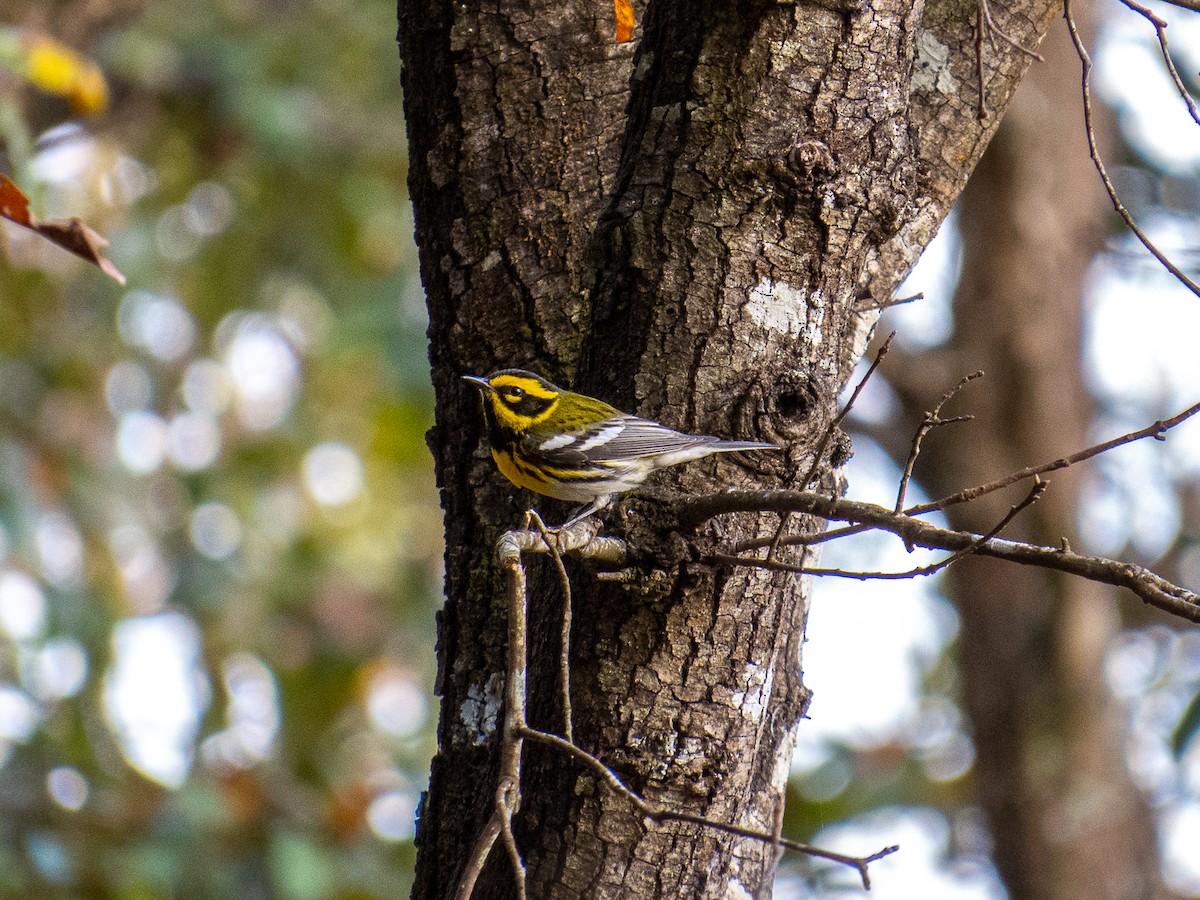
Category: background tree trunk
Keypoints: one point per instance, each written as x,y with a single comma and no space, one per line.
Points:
1066,819
697,233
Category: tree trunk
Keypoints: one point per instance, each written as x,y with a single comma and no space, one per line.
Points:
1066,819
697,232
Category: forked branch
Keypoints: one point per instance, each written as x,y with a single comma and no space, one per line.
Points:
1152,588
579,540
1086,87
1155,430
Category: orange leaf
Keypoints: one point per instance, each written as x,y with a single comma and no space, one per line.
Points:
73,234
625,20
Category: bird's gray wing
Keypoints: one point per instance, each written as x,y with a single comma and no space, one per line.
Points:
615,440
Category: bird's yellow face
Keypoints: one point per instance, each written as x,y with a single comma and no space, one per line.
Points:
517,400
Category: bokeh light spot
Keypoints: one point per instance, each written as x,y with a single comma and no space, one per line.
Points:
1181,836
333,473
67,787
173,236
155,692
160,325
60,669
19,714
392,815
60,549
215,530
193,441
146,576
129,181
22,606
64,154
209,209
265,373
396,703
206,387
128,387
141,441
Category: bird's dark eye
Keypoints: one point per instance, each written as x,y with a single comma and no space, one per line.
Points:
513,394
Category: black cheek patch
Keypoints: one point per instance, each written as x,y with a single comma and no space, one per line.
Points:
532,406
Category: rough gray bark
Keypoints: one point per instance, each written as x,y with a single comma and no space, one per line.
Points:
692,232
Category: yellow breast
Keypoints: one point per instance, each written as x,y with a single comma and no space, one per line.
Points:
519,475
525,477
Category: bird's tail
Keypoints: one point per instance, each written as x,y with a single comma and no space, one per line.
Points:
722,446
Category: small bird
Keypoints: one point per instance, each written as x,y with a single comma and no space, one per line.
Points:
573,447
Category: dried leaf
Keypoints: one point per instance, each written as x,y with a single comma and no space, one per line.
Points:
73,234
625,20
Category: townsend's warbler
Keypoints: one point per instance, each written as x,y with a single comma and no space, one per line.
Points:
572,447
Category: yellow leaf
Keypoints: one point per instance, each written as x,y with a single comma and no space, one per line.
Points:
57,69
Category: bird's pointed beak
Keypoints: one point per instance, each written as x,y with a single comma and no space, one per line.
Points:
481,383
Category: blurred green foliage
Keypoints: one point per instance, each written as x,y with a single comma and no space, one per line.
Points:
219,535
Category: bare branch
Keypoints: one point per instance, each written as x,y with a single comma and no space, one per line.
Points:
513,796
1152,588
1086,62
1160,28
833,426
987,27
888,304
750,562
479,854
582,541
564,661
1156,431
508,788
803,540
830,430
932,420
657,813
1193,5
993,31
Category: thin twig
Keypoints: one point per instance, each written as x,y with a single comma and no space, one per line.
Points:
888,304
479,854
1193,5
564,659
768,879
832,427
830,430
508,793
510,842
516,727
1038,488
1153,589
580,539
994,30
981,109
987,27
1160,28
803,540
657,813
508,787
1156,431
1086,63
932,420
